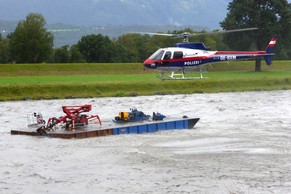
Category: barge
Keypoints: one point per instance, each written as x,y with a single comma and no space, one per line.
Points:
77,125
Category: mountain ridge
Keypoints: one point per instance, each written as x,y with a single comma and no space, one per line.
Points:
65,34
119,12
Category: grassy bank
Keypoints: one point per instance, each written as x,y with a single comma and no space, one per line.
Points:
70,69
57,81
103,89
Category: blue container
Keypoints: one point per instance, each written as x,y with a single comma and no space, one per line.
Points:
162,126
142,129
180,124
186,126
121,130
133,129
152,128
115,131
170,125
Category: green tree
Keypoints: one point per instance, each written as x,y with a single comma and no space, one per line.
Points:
123,54
128,41
62,54
4,50
31,42
76,55
96,48
270,16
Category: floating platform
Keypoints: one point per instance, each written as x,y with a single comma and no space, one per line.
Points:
110,128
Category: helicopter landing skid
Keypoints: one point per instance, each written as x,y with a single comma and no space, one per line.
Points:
174,75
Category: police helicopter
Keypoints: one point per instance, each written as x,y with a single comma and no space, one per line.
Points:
191,56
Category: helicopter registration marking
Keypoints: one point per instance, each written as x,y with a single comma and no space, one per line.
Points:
227,57
191,62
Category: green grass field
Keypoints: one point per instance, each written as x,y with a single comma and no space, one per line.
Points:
56,81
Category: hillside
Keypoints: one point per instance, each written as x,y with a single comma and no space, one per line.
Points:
119,12
70,34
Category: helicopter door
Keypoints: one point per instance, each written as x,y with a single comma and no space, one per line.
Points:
167,57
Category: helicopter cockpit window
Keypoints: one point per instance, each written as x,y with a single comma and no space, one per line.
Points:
168,55
178,54
157,55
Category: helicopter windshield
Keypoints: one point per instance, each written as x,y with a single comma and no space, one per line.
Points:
157,55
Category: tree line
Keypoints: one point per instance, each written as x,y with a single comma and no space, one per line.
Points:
32,43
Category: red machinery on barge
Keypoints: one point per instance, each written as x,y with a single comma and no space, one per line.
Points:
73,118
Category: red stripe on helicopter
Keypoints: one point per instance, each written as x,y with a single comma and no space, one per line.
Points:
239,52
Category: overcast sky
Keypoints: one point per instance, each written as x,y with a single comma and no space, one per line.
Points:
206,13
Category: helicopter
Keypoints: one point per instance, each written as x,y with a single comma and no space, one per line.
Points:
192,56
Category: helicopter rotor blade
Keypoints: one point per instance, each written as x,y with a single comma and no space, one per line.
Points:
186,35
153,33
222,32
